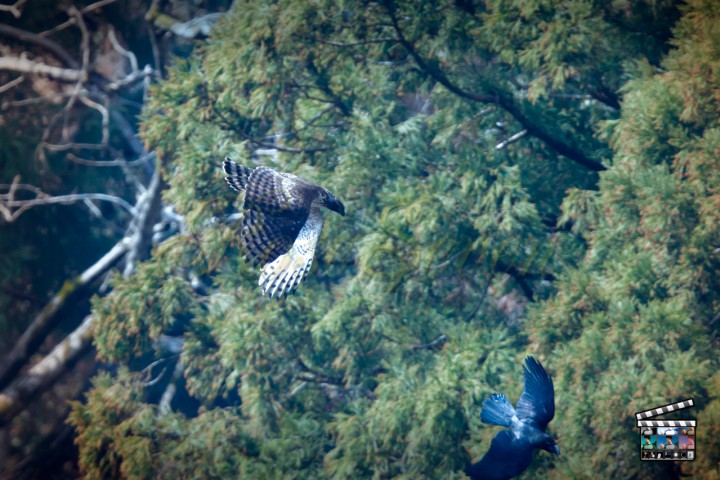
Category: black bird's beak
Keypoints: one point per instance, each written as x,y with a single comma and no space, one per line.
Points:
556,450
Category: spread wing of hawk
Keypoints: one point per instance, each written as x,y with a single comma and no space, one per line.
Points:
282,223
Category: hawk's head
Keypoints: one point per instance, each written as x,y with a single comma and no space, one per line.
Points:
333,203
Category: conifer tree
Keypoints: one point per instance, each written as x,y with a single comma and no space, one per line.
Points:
485,165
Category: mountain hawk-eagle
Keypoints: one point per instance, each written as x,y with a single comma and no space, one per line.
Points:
281,224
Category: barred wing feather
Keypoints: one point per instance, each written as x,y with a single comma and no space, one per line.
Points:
264,238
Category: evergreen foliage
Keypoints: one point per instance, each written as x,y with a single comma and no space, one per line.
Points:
604,221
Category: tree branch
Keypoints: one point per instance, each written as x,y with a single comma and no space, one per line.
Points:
434,72
148,208
71,21
434,345
15,8
33,337
512,139
48,45
8,202
260,143
349,44
22,390
23,65
11,84
560,147
565,149
45,373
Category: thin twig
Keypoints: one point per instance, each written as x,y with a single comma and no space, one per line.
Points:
500,98
132,77
434,345
510,140
122,51
164,406
61,147
105,117
117,162
11,84
15,8
29,37
71,21
85,51
350,44
260,143
155,50
482,298
7,204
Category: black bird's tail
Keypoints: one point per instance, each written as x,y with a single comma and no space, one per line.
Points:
237,174
497,410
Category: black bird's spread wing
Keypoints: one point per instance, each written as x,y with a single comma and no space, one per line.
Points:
506,458
537,402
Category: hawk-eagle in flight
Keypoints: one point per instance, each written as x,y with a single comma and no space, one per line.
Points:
282,223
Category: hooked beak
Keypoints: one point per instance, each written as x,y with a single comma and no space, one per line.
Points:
340,208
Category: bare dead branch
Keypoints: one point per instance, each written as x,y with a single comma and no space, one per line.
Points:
22,390
11,84
117,162
49,45
8,202
167,396
62,147
85,51
194,28
71,21
48,316
148,212
15,8
84,39
132,140
15,398
512,139
155,50
131,78
122,51
23,65
103,113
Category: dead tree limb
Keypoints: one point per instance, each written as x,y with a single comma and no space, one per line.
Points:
23,65
45,373
48,317
22,390
49,45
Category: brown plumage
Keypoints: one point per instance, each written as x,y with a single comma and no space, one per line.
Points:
282,223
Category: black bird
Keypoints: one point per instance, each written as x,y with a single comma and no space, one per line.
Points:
511,450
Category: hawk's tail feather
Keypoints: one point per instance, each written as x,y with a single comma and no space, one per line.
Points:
237,174
282,276
497,410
